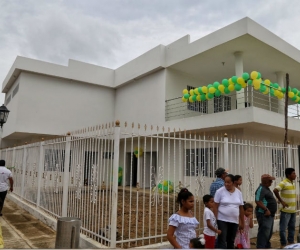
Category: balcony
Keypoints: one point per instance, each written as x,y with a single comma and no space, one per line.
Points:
176,109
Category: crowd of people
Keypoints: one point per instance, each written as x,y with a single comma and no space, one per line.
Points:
228,219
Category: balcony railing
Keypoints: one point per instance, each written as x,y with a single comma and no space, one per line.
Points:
176,109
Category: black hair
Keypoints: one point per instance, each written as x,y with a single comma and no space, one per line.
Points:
237,177
231,177
247,205
207,197
184,194
196,243
289,171
2,163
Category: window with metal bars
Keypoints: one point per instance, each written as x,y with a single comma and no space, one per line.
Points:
201,159
197,106
222,103
278,162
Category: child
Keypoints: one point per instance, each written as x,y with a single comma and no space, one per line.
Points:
248,217
198,242
183,224
238,181
210,222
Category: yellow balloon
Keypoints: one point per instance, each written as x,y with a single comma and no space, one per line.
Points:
212,90
221,88
256,84
231,87
207,97
230,81
204,89
240,80
291,94
191,92
198,98
267,82
183,99
297,100
185,91
196,91
244,85
254,75
191,99
277,93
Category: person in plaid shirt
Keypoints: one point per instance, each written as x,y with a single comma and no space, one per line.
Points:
221,173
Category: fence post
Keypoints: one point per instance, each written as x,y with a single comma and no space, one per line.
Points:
66,176
114,210
289,155
226,156
40,170
13,157
23,170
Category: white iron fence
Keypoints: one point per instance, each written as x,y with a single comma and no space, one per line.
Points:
122,181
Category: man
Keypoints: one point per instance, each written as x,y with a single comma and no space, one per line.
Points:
5,175
287,198
219,182
265,210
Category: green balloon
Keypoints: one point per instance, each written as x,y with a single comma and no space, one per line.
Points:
159,186
186,96
136,152
216,84
271,85
272,92
200,90
275,85
249,82
294,98
210,95
218,93
258,75
234,79
295,91
299,102
262,88
245,76
237,87
209,86
226,90
283,90
194,98
203,97
225,82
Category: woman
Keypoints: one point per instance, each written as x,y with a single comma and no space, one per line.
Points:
229,211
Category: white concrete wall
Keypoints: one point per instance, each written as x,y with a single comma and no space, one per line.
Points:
142,101
48,105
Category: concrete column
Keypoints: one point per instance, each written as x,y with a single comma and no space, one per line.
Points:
280,81
239,70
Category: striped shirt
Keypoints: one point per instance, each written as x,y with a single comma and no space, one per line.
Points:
287,191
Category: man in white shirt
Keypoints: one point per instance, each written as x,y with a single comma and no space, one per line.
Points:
5,176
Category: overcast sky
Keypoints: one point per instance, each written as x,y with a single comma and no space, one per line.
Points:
110,33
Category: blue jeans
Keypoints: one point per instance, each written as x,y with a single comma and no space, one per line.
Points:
265,230
287,220
226,238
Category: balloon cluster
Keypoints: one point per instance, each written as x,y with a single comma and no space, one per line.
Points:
236,84
138,152
165,187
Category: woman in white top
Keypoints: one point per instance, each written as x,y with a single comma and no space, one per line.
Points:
182,224
229,211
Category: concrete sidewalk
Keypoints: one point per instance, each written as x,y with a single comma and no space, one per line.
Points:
21,230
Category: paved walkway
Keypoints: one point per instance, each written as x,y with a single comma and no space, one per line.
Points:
21,230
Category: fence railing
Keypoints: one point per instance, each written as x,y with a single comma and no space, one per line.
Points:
122,181
176,109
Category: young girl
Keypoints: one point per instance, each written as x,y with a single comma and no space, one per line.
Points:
198,242
248,218
210,222
238,181
182,224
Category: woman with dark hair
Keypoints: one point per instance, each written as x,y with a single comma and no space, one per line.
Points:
229,211
182,224
238,180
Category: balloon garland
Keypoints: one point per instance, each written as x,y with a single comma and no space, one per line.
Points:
138,152
165,186
236,84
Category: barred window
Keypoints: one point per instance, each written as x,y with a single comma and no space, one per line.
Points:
197,106
201,159
222,103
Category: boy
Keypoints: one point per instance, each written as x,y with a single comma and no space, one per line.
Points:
210,222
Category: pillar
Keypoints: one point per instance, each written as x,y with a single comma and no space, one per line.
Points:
280,81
